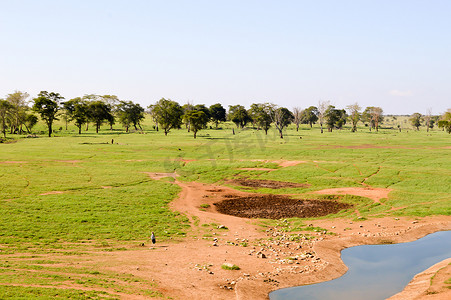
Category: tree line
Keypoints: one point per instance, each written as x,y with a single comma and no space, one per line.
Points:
17,117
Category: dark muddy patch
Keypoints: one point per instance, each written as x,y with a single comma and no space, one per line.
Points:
270,184
277,207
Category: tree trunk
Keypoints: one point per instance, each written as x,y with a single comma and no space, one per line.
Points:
321,128
79,129
266,131
97,128
165,132
281,134
50,129
87,125
195,134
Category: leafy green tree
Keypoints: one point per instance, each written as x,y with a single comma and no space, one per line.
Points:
281,117
445,121
354,115
99,112
18,100
47,106
77,110
197,119
5,111
168,114
309,116
260,116
238,115
130,114
415,120
335,118
217,113
153,116
30,121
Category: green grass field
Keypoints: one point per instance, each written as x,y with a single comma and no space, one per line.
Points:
85,215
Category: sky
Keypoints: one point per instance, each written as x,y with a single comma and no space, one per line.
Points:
395,54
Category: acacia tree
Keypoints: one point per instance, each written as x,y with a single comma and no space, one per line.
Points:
47,105
309,116
130,114
445,121
238,115
415,120
260,116
281,117
18,101
168,114
322,107
197,119
150,111
217,114
5,112
335,118
77,110
373,116
354,115
297,114
428,121
99,112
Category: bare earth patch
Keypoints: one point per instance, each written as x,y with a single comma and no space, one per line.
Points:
257,169
70,161
277,207
106,187
289,163
375,194
158,176
51,193
13,162
270,184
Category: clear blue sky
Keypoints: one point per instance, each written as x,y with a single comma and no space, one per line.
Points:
390,53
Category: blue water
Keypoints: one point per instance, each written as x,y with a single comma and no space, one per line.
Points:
376,271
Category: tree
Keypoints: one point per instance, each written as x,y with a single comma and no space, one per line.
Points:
153,116
445,121
217,113
30,121
297,114
428,120
99,112
238,115
373,116
354,115
197,119
130,114
18,100
322,107
309,116
334,118
77,110
47,106
415,120
280,116
5,111
168,114
260,116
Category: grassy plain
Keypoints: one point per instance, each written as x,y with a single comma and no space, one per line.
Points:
70,195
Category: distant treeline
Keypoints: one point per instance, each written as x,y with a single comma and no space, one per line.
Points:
17,117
